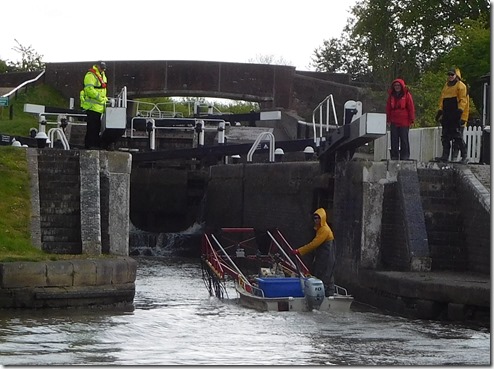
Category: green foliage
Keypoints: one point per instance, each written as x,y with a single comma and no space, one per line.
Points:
426,93
385,40
472,54
185,106
416,40
3,67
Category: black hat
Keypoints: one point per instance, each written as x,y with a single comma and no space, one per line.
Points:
452,71
102,65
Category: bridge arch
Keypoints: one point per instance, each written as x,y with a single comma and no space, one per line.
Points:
272,86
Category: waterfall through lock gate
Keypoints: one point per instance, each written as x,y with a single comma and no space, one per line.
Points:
185,244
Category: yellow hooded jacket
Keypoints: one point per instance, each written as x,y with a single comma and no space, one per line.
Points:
93,96
455,96
323,234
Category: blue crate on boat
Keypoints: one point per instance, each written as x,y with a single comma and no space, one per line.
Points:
281,287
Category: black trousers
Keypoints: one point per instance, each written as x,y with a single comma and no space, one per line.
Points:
323,266
452,132
400,143
93,128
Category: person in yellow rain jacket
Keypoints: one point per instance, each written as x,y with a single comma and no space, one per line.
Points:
322,247
93,102
453,104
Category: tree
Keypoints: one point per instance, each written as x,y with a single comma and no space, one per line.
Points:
396,39
30,59
472,54
3,67
269,59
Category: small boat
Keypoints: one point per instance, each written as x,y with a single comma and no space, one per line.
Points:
265,274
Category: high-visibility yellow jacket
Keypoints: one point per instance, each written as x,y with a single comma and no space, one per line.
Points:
93,95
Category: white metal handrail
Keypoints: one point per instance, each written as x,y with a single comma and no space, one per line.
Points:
320,109
24,84
61,136
323,112
256,143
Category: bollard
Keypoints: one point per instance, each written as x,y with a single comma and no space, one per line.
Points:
309,153
41,139
278,154
151,130
200,131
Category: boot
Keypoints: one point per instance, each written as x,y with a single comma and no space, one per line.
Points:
442,159
454,155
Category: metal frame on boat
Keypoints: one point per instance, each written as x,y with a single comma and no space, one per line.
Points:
259,262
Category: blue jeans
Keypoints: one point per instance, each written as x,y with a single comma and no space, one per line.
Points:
400,144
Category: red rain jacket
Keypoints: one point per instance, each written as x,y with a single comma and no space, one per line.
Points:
400,111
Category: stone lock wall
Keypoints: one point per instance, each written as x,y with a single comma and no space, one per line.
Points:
277,195
69,283
80,205
80,201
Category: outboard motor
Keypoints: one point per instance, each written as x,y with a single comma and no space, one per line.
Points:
314,292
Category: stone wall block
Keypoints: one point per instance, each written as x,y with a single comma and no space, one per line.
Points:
104,272
84,272
90,202
59,273
124,271
119,205
22,274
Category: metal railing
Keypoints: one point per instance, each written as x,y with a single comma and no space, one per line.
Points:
25,83
256,144
323,111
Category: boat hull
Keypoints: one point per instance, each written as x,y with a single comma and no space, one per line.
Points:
340,303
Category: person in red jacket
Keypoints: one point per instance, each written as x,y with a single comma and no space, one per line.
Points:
400,115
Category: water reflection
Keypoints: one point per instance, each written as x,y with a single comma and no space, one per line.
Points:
175,321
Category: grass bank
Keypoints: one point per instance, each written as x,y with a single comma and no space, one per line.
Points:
15,194
15,207
15,211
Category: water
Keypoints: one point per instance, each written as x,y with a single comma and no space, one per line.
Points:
175,321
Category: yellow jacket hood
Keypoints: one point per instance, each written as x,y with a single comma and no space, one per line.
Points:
323,234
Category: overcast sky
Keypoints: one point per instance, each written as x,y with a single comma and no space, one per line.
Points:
214,30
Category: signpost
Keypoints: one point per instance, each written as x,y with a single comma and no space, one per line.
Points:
4,101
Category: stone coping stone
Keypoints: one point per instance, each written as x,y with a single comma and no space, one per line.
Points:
67,273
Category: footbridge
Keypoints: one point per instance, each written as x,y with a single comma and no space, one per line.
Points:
272,86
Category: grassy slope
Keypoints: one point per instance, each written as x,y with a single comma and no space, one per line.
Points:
15,203
15,207
23,122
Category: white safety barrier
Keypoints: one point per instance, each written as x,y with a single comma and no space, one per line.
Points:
425,144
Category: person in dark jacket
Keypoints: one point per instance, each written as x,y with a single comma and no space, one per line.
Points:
453,103
322,247
400,115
